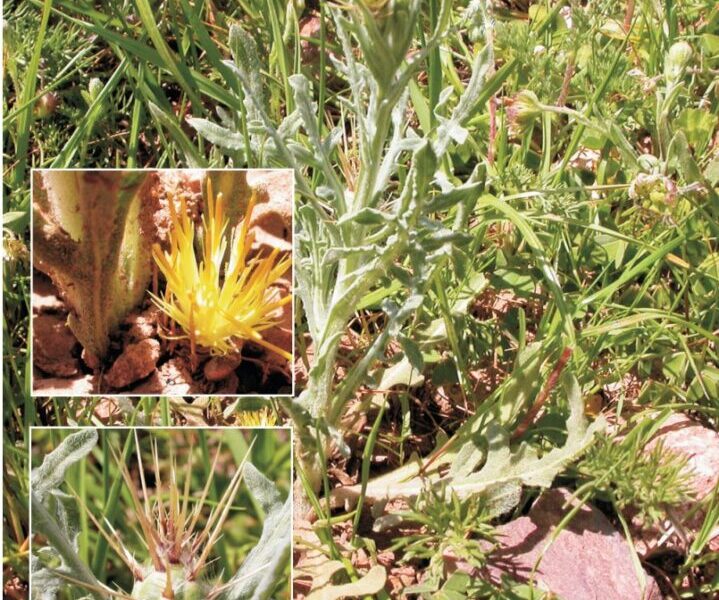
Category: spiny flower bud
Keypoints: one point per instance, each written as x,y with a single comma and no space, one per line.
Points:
46,105
523,110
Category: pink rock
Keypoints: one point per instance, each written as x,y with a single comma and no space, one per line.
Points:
588,560
698,443
136,362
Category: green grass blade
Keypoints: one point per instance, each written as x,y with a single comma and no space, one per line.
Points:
178,69
28,93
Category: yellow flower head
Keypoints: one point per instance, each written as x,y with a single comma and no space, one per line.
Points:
263,417
219,304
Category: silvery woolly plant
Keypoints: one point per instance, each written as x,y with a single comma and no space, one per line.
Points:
178,548
351,237
353,234
359,228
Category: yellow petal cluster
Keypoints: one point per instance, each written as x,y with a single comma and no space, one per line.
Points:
219,302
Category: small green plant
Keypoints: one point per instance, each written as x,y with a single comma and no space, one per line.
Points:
446,525
648,482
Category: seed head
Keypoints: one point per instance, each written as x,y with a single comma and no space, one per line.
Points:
178,550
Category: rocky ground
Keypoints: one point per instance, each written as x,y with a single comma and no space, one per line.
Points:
585,557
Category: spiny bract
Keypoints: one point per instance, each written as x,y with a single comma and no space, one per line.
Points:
216,303
178,550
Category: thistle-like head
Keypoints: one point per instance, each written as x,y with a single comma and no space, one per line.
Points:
168,522
523,110
219,299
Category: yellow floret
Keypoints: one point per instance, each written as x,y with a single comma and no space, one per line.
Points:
219,304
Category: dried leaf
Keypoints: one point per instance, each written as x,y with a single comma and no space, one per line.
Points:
370,584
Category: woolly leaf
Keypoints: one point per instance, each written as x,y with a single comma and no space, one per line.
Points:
258,575
453,128
247,65
504,470
51,473
218,135
55,517
505,466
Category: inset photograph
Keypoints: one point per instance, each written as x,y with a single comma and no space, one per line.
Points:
162,282
160,513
